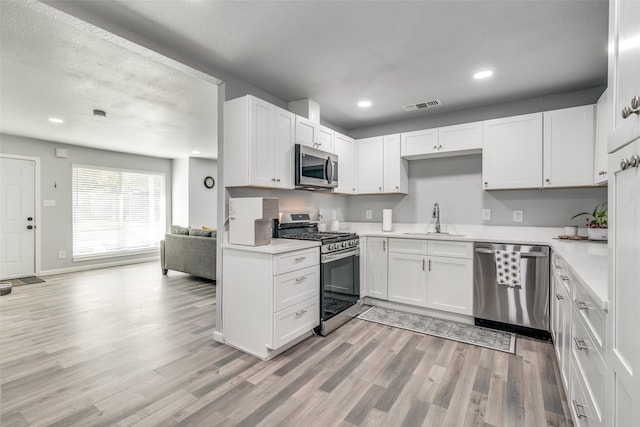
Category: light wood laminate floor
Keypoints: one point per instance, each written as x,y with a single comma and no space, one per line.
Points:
127,346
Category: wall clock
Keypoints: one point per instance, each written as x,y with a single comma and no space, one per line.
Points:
209,182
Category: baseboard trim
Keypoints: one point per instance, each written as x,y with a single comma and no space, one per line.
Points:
96,266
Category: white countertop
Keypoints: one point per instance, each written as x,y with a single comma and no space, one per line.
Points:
277,246
588,260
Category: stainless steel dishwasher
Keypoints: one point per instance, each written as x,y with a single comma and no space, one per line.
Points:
522,308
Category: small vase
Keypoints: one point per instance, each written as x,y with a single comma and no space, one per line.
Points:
597,233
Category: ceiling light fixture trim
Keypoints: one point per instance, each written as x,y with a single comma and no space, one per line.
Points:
364,103
483,74
56,120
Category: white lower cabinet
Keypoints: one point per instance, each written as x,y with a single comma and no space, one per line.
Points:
375,267
578,330
450,284
417,277
269,300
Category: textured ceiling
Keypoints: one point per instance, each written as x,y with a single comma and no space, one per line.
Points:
391,52
53,66
335,52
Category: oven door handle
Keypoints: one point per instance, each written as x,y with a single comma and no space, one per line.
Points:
339,255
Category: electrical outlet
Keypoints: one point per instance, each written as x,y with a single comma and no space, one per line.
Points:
486,214
368,214
62,254
518,215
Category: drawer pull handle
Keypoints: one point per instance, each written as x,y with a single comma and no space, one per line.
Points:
579,409
564,277
559,296
300,258
301,312
581,305
580,344
301,278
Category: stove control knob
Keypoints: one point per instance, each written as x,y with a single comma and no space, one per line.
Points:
332,246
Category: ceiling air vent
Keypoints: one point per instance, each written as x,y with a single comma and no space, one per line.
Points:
420,105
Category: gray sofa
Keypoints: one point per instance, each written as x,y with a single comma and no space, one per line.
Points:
189,253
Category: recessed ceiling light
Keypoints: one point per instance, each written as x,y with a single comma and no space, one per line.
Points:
364,104
195,152
483,74
56,120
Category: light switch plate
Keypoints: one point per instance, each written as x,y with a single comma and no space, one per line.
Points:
486,214
368,214
518,215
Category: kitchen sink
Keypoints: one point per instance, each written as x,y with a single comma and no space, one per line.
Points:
432,233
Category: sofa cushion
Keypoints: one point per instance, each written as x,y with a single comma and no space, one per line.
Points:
200,233
176,229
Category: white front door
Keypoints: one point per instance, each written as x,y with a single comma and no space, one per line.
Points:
17,218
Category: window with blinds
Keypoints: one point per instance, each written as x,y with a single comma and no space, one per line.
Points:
116,212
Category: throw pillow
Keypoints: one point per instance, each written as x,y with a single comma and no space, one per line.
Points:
176,229
200,233
204,227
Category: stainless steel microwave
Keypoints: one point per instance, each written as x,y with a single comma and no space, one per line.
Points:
315,169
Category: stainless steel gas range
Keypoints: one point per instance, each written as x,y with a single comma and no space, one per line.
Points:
339,269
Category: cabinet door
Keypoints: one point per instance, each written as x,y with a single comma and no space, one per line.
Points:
463,137
569,147
417,143
260,151
624,68
282,147
324,138
408,278
345,148
395,168
370,155
305,132
376,267
624,292
603,128
512,152
450,285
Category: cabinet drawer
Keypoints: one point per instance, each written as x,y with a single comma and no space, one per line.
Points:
581,405
294,321
594,317
290,261
408,246
294,287
590,364
450,248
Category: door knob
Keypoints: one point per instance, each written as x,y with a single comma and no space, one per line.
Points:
29,219
29,227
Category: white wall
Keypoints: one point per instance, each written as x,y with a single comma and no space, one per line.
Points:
180,191
55,181
456,184
203,202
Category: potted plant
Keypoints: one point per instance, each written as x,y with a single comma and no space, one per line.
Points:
597,222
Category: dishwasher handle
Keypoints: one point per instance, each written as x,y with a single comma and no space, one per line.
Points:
522,254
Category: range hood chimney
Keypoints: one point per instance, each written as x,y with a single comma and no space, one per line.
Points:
306,108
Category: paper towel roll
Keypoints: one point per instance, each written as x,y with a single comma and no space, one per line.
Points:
386,220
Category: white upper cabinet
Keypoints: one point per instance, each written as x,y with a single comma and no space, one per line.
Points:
314,134
603,127
395,168
569,141
345,148
512,152
446,141
624,70
419,143
370,158
380,169
258,144
462,139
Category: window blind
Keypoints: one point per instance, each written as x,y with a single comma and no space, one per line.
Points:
116,211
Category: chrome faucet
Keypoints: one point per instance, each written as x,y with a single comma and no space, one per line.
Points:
436,215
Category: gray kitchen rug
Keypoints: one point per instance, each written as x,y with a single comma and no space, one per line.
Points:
468,334
30,280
